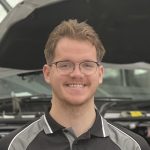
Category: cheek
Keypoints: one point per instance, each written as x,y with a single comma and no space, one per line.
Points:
56,80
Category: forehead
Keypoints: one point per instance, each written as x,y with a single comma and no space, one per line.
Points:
68,48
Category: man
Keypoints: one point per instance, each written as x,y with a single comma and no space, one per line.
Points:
73,54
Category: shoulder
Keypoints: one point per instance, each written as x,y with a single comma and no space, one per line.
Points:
126,138
19,133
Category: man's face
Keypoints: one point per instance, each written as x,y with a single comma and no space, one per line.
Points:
75,88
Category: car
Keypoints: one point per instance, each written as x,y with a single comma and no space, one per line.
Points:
124,96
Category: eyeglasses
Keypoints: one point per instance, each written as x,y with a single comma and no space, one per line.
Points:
67,67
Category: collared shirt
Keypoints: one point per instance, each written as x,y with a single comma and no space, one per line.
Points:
46,134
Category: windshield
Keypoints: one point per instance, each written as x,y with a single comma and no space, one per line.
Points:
117,83
23,85
121,83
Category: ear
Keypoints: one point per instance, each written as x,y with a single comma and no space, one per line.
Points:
46,73
101,73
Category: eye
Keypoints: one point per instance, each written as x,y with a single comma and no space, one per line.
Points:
64,65
88,65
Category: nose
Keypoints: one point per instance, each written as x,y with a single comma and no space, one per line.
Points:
76,71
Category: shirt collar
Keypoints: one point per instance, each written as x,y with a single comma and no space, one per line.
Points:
99,128
96,129
52,123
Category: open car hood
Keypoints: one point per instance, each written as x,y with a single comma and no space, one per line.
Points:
122,25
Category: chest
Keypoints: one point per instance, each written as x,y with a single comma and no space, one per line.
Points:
67,142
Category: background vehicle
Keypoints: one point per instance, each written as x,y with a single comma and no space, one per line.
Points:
124,96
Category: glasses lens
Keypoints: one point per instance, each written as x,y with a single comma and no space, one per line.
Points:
88,67
65,67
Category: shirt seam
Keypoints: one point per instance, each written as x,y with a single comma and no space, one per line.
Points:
126,135
21,132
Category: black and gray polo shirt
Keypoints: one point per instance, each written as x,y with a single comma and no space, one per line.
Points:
46,134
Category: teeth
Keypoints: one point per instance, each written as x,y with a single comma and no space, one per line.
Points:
76,85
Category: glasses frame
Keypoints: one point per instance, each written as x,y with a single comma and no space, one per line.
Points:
74,65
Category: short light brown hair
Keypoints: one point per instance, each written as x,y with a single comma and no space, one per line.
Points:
74,30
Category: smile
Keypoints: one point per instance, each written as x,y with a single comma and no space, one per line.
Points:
76,85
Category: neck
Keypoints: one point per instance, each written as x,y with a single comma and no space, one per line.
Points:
79,118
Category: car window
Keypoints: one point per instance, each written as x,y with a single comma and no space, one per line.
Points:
133,84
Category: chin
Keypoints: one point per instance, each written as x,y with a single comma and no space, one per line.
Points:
77,101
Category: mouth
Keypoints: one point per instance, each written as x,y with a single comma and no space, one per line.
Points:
75,85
